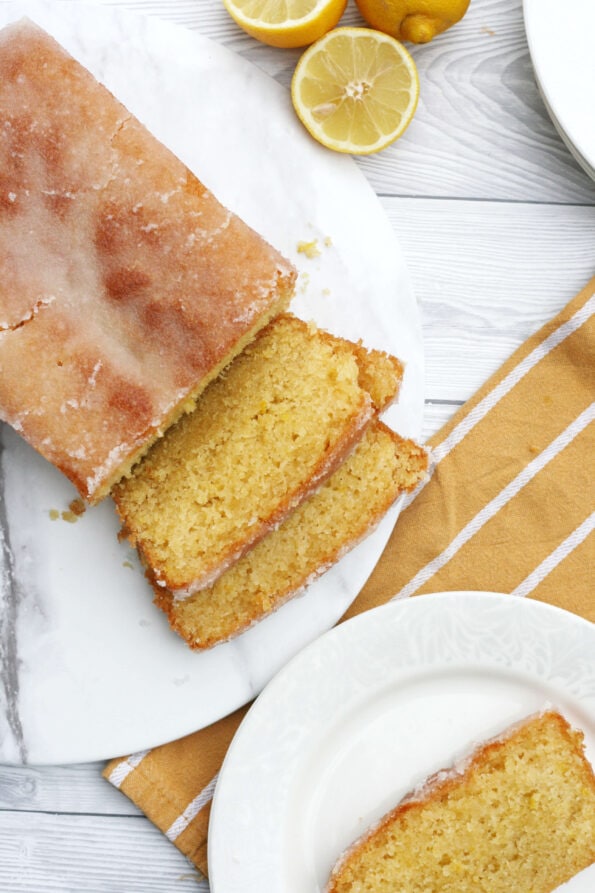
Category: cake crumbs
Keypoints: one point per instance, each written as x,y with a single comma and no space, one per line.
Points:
310,249
70,517
304,282
76,508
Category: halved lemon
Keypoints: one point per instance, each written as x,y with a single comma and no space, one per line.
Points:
286,23
355,90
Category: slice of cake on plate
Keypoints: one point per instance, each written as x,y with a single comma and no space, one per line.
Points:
274,425
517,815
345,509
125,287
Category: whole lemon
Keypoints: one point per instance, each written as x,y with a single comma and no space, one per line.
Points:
417,21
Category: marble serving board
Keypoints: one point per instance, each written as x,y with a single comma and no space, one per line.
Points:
89,668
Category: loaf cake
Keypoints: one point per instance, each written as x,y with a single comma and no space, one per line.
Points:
519,815
263,436
313,538
125,287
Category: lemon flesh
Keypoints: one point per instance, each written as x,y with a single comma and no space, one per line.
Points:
286,23
355,90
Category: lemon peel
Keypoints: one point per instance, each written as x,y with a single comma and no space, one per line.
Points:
293,23
416,21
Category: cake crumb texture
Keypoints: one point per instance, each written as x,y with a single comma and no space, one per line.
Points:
320,531
518,818
268,431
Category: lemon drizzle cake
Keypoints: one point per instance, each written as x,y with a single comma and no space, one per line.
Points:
344,510
264,435
125,286
518,815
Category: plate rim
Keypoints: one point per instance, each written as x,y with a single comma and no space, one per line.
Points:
583,155
346,629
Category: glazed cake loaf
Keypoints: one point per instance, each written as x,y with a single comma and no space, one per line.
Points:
264,435
313,538
124,285
518,816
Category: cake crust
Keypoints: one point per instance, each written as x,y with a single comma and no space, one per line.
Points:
125,286
517,814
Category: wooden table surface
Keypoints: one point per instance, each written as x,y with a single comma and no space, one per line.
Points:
497,224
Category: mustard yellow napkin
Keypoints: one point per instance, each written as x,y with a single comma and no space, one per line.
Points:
509,508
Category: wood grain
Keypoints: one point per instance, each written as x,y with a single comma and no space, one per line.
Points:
481,129
71,854
497,224
487,275
69,789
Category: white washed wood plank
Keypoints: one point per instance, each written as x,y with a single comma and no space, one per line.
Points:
435,416
486,276
72,854
481,129
68,789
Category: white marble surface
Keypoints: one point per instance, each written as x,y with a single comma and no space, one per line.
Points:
496,221
92,669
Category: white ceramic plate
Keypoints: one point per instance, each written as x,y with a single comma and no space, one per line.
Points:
88,666
560,41
372,708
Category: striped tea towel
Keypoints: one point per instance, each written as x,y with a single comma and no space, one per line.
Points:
509,507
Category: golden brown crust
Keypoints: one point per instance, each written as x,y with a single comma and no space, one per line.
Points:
124,285
441,786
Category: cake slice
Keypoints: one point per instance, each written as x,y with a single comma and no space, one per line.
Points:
315,536
125,286
519,815
264,435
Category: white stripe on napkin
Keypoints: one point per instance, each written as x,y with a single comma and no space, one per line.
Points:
514,376
192,810
552,560
123,769
498,502
490,400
